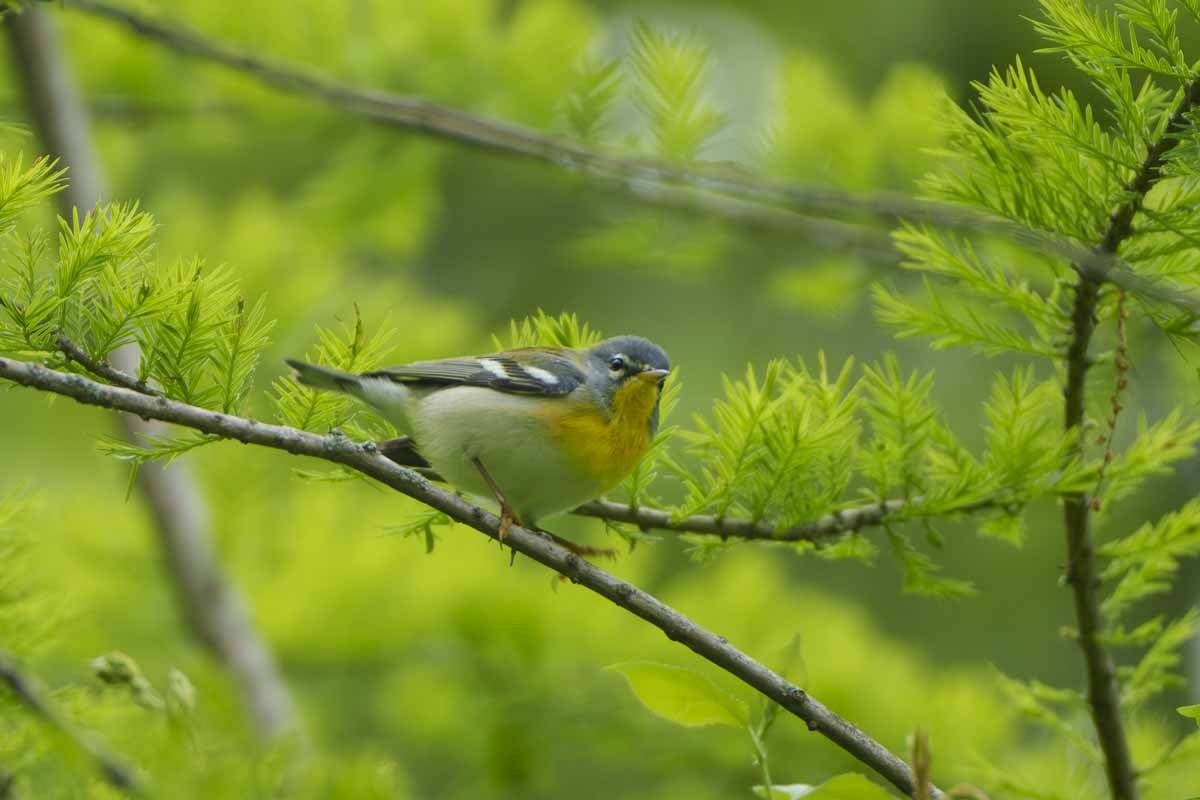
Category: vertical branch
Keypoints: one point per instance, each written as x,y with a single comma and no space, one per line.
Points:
1103,693
212,607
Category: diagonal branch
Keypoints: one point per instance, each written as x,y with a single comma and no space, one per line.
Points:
102,369
366,459
1103,692
760,203
828,526
22,687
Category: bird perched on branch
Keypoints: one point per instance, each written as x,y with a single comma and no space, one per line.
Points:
539,429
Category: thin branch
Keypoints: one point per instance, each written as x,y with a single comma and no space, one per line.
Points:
1103,692
643,178
367,459
210,605
116,773
102,369
845,521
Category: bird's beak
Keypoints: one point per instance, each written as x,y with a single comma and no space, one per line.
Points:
655,376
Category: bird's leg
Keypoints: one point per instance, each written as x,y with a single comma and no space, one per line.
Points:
508,517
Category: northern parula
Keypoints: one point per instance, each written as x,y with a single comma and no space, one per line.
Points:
540,429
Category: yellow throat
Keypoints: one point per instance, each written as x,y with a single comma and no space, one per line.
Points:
608,446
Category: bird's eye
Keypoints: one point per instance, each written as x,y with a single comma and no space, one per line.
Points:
616,364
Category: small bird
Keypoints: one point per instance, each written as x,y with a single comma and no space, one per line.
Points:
540,429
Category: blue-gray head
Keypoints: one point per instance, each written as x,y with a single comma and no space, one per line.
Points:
629,369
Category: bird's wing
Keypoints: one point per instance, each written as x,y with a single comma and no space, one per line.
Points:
528,371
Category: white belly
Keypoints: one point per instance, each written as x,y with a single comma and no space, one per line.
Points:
452,426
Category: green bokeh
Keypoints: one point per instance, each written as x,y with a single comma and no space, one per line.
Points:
454,675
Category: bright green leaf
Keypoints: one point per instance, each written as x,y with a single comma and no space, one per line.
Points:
682,696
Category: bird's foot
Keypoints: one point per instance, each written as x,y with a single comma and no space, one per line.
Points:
581,550
508,518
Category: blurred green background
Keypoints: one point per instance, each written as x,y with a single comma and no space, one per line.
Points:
453,674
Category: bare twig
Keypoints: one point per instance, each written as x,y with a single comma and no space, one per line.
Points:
22,687
1103,693
367,459
819,529
646,179
102,369
211,606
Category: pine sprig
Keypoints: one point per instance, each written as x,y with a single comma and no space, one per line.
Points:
1052,708
350,350
952,321
1144,562
422,525
237,353
955,258
547,330
732,447
1095,38
903,425
1155,449
920,571
28,302
1158,669
23,188
164,449
177,347
588,106
670,70
108,240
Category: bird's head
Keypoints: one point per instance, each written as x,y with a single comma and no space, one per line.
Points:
628,373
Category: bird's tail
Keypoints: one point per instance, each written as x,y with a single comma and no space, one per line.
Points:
325,378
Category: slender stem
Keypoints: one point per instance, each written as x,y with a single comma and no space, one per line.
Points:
23,688
1103,693
845,521
102,369
722,192
369,461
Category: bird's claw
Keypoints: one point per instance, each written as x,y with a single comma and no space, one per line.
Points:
581,550
508,519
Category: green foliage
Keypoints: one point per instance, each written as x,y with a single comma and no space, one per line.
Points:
795,444
23,188
236,354
198,341
682,696
1031,324
671,70
588,106
785,445
351,350
27,618
544,330
1153,452
422,525
1143,563
1059,710
1050,161
769,451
